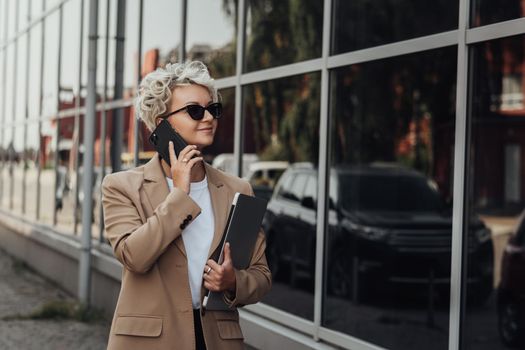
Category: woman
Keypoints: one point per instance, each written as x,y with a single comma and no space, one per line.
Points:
165,222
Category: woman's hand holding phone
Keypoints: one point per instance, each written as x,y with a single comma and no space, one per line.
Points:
181,166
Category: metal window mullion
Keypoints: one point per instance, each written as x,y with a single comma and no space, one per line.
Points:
284,71
57,125
460,148
76,132
136,122
323,169
4,104
84,274
103,129
40,108
239,120
346,341
182,46
26,109
15,87
496,31
282,317
118,118
400,48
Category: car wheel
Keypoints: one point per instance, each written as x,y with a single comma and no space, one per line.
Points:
510,323
340,274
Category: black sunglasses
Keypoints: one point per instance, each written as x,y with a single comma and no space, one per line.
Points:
196,112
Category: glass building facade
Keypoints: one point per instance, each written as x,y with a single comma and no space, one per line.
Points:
388,137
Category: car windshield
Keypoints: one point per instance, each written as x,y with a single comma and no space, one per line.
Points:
388,193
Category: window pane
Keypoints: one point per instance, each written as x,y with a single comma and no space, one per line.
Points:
36,8
161,32
362,23
496,196
388,244
107,46
18,168
22,14
490,11
70,54
280,32
21,74
212,35
9,158
34,71
31,166
66,196
9,95
47,176
50,65
281,129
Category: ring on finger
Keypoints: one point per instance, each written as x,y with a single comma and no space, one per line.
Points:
184,160
208,270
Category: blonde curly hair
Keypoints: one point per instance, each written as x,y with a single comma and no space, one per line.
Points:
155,90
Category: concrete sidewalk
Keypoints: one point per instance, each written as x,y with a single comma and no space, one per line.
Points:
25,297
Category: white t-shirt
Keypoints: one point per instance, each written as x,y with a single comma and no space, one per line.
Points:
197,237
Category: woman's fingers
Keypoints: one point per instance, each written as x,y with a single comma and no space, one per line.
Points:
171,150
189,155
192,162
184,152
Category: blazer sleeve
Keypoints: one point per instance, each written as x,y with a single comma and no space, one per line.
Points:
138,245
253,283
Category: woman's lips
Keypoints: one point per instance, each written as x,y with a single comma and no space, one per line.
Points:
206,129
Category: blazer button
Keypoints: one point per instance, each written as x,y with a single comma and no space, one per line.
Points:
186,221
189,217
182,226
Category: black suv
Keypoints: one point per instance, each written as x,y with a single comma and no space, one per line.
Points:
386,224
511,290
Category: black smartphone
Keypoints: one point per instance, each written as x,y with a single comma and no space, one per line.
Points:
160,138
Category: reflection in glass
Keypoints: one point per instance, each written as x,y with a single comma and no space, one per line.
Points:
48,201
8,157
281,32
17,161
20,80
34,72
31,166
220,153
388,244
489,11
49,94
282,128
361,23
496,193
70,55
66,179
160,36
212,36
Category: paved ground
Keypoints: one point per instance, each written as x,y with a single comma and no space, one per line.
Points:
23,293
23,296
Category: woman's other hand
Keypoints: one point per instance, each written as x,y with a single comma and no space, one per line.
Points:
219,278
181,167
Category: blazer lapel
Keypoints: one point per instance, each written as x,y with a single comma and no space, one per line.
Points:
221,200
156,188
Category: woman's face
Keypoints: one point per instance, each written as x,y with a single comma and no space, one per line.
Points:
194,132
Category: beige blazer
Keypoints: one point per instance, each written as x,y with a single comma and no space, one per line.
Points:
144,222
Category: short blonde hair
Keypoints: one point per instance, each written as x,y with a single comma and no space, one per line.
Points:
155,90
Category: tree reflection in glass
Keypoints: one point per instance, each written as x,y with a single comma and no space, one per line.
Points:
282,134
